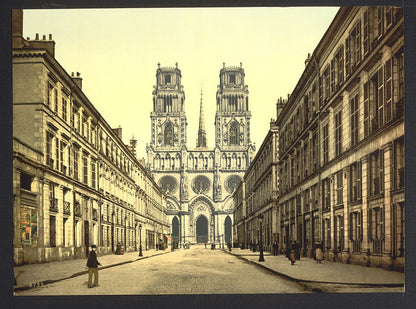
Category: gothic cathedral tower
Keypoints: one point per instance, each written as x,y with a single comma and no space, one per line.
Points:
232,119
168,119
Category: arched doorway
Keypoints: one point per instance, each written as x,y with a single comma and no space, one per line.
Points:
202,229
175,230
227,230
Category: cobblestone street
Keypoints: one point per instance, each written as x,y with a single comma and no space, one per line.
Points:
194,271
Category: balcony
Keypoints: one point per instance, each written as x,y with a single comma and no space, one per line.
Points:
53,206
67,208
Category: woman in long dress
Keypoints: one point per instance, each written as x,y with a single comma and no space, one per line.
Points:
319,254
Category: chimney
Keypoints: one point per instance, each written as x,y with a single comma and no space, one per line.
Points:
118,132
307,60
77,79
17,28
280,104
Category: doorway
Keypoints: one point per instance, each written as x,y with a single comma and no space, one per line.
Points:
202,229
227,230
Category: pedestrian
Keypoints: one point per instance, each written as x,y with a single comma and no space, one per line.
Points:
287,252
92,264
319,255
205,245
296,247
292,257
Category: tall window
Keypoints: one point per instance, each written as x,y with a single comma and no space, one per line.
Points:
232,78
356,231
388,90
338,133
64,109
353,48
376,172
366,121
380,21
380,97
326,194
376,229
55,95
326,83
93,174
339,61
85,169
366,31
399,163
325,143
340,187
167,79
169,134
355,181
234,134
57,166
354,120
76,158
49,159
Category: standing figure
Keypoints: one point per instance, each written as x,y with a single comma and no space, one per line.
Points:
319,255
92,264
292,257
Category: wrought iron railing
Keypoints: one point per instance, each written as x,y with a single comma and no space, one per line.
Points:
53,204
67,208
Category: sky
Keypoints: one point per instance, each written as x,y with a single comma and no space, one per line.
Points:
117,52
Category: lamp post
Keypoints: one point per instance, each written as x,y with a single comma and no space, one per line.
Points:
261,258
140,236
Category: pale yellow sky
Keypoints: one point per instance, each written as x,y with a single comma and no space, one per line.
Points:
117,51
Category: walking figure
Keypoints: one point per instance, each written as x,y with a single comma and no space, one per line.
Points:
319,255
92,264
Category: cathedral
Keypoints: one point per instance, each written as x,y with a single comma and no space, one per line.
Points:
199,181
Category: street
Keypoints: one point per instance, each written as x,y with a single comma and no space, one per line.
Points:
194,271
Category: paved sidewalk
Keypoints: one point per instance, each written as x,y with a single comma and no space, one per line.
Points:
32,275
307,270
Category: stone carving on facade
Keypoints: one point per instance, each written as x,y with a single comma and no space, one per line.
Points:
168,184
184,186
200,184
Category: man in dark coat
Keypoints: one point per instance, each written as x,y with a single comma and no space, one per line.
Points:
92,264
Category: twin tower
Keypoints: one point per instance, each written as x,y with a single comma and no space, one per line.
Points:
199,181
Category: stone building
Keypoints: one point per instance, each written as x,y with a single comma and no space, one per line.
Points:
342,143
257,196
198,182
74,181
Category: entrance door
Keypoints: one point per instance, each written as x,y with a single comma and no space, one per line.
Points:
227,230
202,230
175,230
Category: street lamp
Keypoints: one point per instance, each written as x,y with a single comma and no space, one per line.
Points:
261,258
140,235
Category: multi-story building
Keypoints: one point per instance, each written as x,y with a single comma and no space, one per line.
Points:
257,196
199,181
342,143
74,181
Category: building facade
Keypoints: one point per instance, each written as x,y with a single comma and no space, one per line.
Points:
342,143
198,182
257,196
74,181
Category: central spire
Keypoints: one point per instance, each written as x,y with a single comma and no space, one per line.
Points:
202,137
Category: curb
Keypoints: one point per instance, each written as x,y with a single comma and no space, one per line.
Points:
390,285
84,272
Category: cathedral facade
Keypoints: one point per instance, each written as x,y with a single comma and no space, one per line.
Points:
199,181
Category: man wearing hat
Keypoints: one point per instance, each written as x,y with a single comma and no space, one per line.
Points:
92,264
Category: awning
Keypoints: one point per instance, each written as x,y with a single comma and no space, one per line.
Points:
167,236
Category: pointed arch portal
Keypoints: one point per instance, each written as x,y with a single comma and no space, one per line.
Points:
202,229
175,230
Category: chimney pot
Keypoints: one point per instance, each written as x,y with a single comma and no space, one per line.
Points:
50,37
78,74
37,36
28,38
44,37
